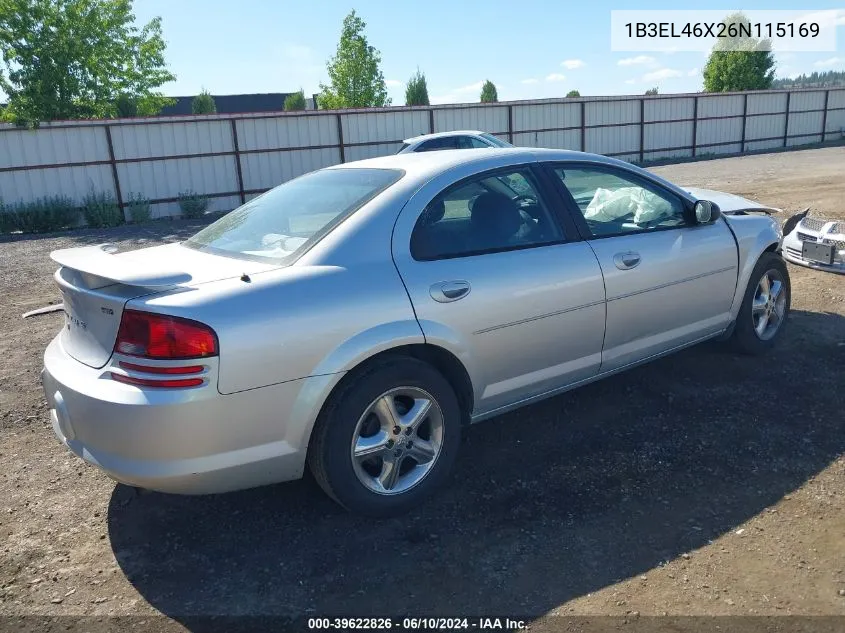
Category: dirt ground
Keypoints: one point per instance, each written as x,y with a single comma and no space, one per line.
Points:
702,484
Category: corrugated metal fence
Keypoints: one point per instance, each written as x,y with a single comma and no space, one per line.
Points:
231,158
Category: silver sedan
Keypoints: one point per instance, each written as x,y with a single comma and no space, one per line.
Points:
356,318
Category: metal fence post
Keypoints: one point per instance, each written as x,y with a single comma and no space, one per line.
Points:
431,120
824,114
238,161
694,126
786,121
340,139
583,126
116,178
642,129
510,124
744,122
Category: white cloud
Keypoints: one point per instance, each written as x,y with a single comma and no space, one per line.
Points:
639,60
460,94
476,87
833,61
531,80
572,64
555,77
695,72
393,83
663,73
630,81
829,17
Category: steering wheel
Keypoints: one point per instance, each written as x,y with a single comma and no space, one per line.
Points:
522,197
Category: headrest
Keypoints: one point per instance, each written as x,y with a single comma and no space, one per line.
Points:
496,216
434,212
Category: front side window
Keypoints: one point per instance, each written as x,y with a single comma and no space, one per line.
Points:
470,142
284,222
435,144
483,214
497,142
613,204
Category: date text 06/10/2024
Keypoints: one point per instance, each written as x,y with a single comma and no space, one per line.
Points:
417,624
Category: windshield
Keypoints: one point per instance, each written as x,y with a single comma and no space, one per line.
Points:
287,220
497,142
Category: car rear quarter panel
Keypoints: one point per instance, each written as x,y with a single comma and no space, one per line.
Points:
754,235
298,321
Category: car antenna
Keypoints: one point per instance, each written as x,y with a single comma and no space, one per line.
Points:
245,278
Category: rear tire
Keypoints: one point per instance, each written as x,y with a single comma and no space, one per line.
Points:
765,307
366,452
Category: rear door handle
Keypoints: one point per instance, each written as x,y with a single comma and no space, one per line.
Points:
626,261
447,291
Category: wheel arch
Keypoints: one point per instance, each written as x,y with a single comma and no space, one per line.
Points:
444,361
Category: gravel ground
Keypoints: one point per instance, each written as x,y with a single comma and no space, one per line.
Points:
703,484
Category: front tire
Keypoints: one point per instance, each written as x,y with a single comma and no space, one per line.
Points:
765,307
387,439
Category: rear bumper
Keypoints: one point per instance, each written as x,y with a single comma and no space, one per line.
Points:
187,441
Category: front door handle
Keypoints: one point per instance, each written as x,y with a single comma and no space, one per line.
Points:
626,261
447,291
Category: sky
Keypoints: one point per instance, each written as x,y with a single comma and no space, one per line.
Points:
528,48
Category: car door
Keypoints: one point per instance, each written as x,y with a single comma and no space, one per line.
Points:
495,278
669,280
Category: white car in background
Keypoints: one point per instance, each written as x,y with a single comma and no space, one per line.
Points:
815,243
458,139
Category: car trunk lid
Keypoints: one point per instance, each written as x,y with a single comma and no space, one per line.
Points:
96,283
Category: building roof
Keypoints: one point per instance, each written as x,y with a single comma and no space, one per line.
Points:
233,104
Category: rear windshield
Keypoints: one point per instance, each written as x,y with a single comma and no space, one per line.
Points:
287,220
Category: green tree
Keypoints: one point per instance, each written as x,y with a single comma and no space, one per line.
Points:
126,105
739,62
295,101
651,92
71,59
489,93
573,93
416,92
354,73
203,103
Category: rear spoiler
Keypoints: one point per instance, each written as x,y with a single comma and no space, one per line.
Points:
101,261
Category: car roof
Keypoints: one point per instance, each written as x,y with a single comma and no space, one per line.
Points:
424,137
420,167
425,165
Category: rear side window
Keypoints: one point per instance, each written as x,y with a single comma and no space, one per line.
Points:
284,222
487,213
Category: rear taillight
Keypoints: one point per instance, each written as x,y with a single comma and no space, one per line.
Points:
162,337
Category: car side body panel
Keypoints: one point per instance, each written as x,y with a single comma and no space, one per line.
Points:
754,235
532,321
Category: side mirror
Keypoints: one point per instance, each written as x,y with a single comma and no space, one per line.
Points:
706,212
